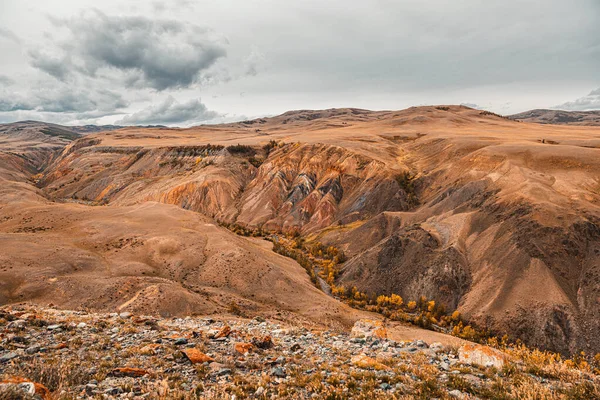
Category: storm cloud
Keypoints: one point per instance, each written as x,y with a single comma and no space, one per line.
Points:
170,112
155,53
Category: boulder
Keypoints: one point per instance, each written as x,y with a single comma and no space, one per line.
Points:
224,332
196,356
264,342
365,328
485,356
243,348
27,387
17,324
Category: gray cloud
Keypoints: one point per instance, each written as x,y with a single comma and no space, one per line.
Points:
10,35
79,101
6,81
254,62
64,100
380,54
51,65
170,112
7,105
158,54
585,103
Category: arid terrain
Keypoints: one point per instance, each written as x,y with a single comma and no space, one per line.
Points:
495,218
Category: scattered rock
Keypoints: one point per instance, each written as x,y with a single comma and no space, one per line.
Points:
266,366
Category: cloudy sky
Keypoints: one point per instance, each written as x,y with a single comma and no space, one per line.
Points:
186,62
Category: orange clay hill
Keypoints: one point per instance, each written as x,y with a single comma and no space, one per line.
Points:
492,217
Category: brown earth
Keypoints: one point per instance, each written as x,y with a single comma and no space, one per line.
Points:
496,218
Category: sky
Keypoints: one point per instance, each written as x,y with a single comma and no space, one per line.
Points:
190,62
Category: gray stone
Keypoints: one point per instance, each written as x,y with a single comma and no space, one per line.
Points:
18,324
7,357
32,349
113,391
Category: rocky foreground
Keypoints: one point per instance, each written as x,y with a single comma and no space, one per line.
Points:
54,354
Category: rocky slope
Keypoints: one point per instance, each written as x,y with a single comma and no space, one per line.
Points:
465,207
47,353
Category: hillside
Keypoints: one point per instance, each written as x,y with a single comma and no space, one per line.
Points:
66,354
474,211
559,117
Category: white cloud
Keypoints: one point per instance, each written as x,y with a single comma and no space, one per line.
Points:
585,103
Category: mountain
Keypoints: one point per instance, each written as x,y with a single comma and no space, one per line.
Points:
496,219
559,117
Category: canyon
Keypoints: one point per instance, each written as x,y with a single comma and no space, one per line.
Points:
495,218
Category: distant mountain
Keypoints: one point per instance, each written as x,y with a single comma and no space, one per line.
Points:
39,128
84,129
67,132
559,117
